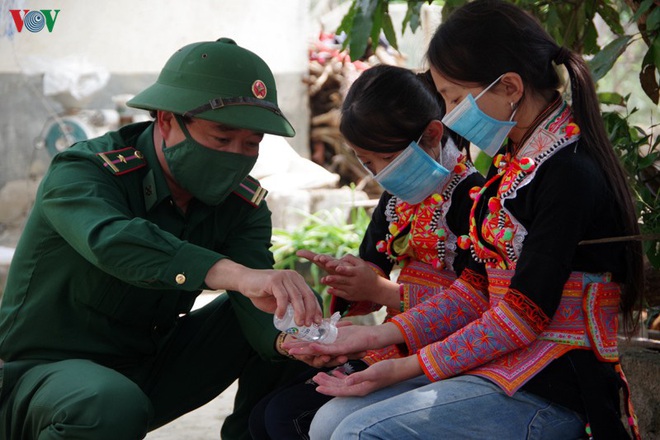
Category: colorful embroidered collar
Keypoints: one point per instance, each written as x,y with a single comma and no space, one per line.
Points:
500,242
420,231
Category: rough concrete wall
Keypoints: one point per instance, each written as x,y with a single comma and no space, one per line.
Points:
132,40
642,368
24,111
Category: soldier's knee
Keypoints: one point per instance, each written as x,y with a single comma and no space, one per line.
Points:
108,406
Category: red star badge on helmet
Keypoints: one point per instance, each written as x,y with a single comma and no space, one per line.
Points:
259,89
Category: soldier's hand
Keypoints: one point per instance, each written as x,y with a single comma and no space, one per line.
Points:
270,290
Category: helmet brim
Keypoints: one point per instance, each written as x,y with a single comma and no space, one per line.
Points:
178,100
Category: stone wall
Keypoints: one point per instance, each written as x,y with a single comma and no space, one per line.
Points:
641,365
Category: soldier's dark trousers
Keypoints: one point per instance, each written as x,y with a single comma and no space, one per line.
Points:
80,399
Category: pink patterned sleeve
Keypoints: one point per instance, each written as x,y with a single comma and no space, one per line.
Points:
416,291
513,323
451,309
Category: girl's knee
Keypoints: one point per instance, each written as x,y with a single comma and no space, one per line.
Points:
324,422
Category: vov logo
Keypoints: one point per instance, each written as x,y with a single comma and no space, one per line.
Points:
35,20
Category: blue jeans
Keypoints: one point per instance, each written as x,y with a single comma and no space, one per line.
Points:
463,407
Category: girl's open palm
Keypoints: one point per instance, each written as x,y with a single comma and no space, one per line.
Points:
377,376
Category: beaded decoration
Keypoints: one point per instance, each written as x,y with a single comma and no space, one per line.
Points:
500,242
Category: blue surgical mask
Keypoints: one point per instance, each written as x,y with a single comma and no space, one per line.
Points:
469,121
413,175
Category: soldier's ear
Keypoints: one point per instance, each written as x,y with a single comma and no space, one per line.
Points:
164,121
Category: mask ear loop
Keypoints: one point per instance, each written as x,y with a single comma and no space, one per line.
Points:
182,125
489,87
419,139
437,159
514,105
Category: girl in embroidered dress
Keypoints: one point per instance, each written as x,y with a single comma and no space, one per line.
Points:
391,119
524,342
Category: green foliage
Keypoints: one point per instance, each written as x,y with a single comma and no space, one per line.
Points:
324,232
482,162
603,61
366,19
570,22
640,154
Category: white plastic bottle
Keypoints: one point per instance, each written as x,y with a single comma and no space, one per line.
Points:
325,333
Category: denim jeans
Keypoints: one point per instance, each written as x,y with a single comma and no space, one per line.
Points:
463,407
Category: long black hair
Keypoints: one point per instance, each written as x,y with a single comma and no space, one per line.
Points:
486,38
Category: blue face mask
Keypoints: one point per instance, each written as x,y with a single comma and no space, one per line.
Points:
469,121
413,175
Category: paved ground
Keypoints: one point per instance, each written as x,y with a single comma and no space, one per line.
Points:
202,424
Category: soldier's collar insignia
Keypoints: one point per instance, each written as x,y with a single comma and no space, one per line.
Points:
250,191
122,161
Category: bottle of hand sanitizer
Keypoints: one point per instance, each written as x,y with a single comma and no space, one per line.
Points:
325,333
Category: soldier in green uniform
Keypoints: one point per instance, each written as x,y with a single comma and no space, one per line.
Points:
96,329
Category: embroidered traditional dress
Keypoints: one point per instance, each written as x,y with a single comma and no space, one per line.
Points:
549,324
421,239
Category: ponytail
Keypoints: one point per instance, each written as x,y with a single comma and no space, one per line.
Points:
587,113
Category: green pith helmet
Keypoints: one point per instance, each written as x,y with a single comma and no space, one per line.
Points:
218,81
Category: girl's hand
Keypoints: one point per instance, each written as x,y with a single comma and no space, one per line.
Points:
354,279
321,260
377,376
319,361
352,341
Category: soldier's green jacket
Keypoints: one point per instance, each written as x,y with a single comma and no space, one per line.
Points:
107,262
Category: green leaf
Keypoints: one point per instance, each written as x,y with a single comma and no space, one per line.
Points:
415,9
449,6
377,24
645,6
360,36
611,98
647,161
653,20
412,16
654,49
603,61
590,39
362,24
610,16
651,65
388,29
482,162
346,24
589,9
